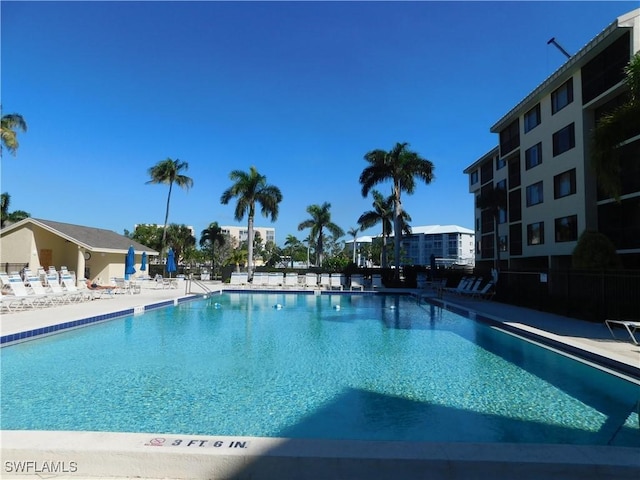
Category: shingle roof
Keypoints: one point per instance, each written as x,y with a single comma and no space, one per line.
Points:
93,239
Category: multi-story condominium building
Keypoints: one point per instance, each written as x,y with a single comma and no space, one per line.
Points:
450,244
240,234
543,162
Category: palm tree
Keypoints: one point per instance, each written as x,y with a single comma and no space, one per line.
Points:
251,188
209,237
293,243
5,215
354,233
169,172
612,129
494,200
8,126
383,213
319,221
180,239
237,257
402,167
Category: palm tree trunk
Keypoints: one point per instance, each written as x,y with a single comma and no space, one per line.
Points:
166,220
250,247
397,234
319,248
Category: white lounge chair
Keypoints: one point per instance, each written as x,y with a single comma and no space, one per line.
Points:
291,280
260,279
631,326
325,280
54,285
276,279
238,278
337,281
357,282
376,281
20,296
49,297
311,280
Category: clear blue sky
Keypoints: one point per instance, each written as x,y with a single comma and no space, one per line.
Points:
300,90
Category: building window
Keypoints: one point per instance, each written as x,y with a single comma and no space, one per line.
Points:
510,138
562,96
564,184
515,239
534,194
606,69
514,172
500,162
474,177
532,118
504,242
515,206
564,139
502,211
535,233
486,172
567,229
533,156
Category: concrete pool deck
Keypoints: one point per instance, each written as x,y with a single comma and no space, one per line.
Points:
153,456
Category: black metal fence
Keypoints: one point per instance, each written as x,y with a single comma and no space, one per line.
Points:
588,295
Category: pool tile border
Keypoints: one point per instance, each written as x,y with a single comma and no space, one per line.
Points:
580,353
14,338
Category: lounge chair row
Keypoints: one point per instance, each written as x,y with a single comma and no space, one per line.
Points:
19,294
334,281
474,287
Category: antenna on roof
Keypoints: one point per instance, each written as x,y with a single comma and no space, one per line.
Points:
553,40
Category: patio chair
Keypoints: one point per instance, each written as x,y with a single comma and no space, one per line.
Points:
36,286
486,292
311,280
336,281
291,280
275,279
238,278
357,282
54,285
325,281
20,296
631,326
376,281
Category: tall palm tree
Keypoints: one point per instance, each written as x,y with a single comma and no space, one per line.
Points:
169,172
319,222
5,215
354,233
402,167
293,243
383,213
209,237
494,200
8,126
612,129
250,188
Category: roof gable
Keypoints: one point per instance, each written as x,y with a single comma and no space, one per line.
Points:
91,238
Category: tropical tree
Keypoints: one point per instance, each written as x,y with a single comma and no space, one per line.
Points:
353,231
611,131
6,216
292,243
208,239
383,213
168,171
8,126
595,250
250,188
148,235
237,257
181,239
495,201
402,167
319,222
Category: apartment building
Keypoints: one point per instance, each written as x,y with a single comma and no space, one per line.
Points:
450,244
241,234
543,163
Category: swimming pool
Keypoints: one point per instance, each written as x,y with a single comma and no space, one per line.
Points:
365,367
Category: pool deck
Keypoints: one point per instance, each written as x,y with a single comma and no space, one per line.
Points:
123,455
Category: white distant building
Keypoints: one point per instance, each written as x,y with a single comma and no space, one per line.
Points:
450,244
241,234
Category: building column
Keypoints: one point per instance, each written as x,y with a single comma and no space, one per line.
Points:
80,265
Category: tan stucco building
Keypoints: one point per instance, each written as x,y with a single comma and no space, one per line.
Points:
89,252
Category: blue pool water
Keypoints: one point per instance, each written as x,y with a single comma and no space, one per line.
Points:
376,368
